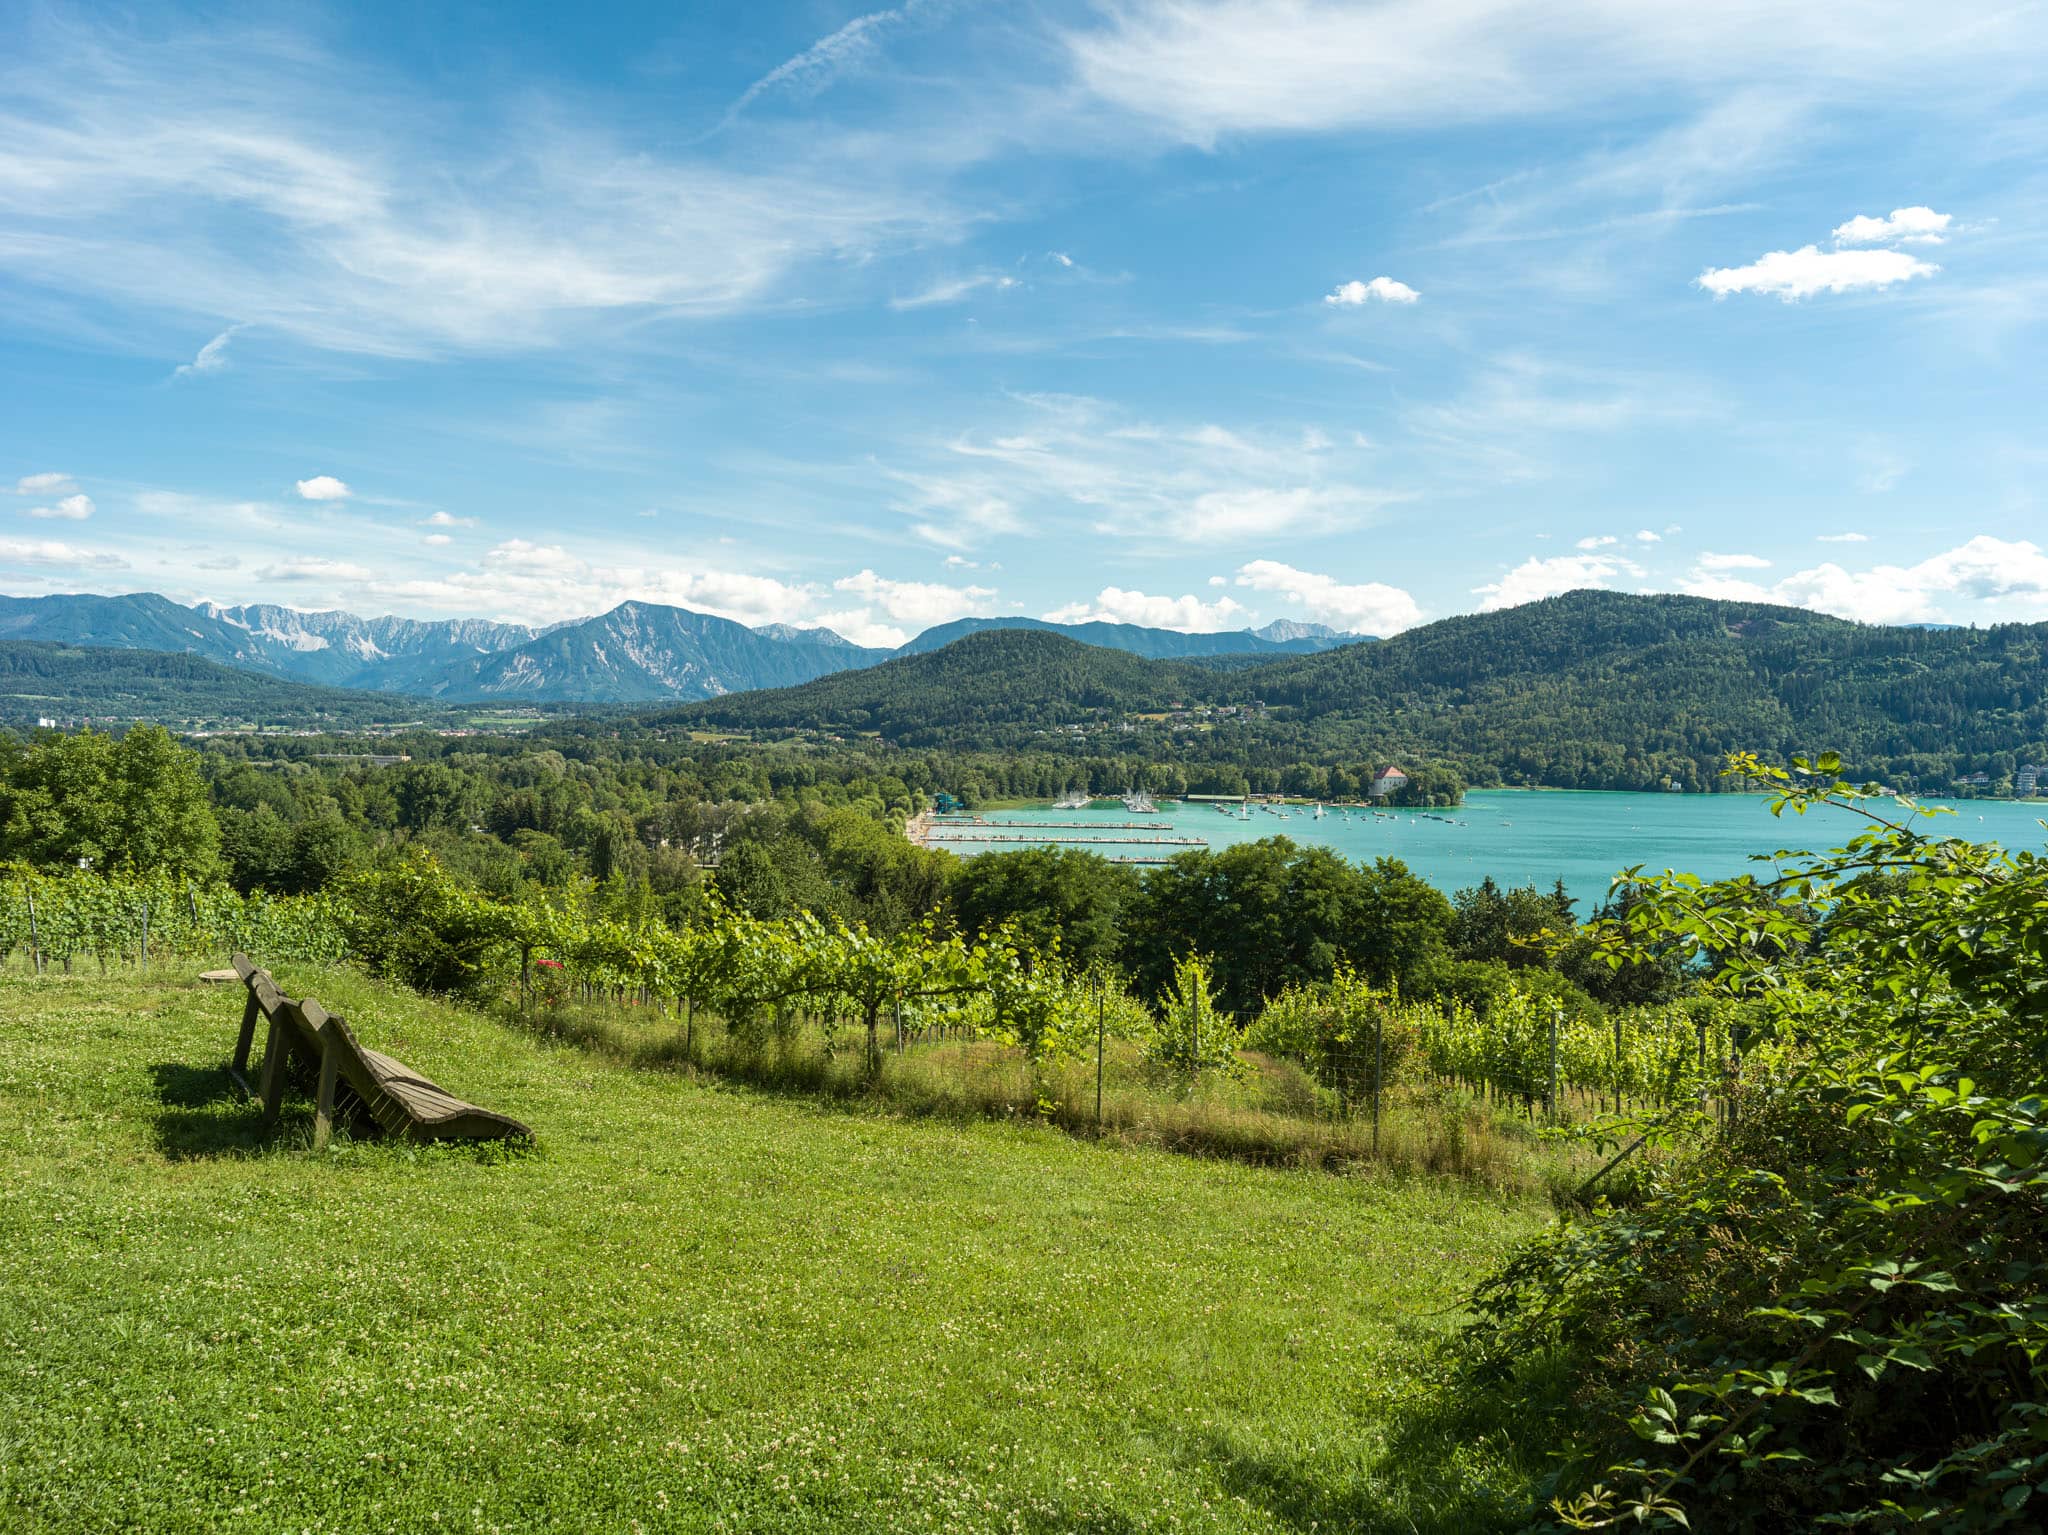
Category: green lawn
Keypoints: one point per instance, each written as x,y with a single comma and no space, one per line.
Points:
690,1308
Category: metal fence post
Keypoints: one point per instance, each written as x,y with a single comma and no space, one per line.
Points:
1554,1011
1379,1071
1101,1017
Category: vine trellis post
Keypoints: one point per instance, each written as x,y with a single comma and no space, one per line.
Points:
1101,1023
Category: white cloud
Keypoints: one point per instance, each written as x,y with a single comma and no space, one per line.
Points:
1733,562
75,508
447,520
437,540
1061,257
212,358
315,568
811,71
1843,538
921,603
1792,275
1985,570
1384,289
44,485
1227,516
952,511
1537,578
1202,70
544,583
1369,607
322,487
952,290
1645,536
1134,478
1189,615
1885,469
1523,396
288,188
53,552
1904,226
1598,541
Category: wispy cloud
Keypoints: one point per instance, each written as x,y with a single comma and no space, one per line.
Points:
236,175
315,568
54,553
952,290
807,73
211,358
1069,459
1202,70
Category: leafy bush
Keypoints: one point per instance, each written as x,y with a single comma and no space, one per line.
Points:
1346,1033
1833,1308
415,923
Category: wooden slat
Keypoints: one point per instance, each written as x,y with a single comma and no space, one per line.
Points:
397,1098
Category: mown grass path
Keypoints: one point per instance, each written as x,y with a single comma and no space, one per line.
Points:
690,1309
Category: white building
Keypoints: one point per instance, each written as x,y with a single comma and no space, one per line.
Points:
1387,780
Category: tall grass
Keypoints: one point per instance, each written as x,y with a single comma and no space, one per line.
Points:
1273,1115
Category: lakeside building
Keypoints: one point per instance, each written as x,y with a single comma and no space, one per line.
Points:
2027,780
1387,780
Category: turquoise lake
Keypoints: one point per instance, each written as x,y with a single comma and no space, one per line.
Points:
1518,836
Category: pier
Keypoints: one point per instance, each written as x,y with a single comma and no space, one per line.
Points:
1091,825
975,834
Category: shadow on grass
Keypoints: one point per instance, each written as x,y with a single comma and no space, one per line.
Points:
205,1115
1455,1462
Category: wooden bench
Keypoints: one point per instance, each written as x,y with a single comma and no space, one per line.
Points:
394,1097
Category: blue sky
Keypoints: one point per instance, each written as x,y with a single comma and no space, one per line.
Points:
1189,312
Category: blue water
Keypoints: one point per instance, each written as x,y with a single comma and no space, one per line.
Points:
1524,836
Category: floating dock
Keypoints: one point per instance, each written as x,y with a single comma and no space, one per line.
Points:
940,821
975,834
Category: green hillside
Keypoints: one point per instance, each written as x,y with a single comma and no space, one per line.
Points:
72,684
1605,689
997,685
690,1309
1588,690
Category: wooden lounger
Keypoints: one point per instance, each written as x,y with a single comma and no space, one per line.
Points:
391,1094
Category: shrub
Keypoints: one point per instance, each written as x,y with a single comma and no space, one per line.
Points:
1833,1307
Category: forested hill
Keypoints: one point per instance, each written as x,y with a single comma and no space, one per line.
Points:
72,684
991,687
1591,689
1603,688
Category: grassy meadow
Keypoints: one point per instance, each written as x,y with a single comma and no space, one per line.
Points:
693,1306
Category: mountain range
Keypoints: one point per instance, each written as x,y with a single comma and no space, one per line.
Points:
638,652
1590,689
